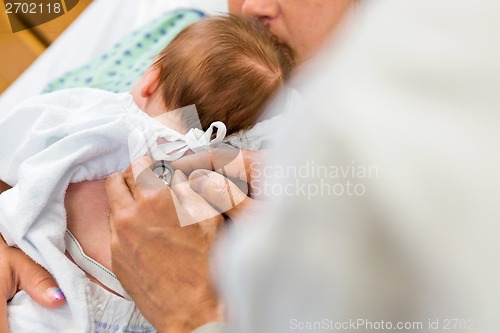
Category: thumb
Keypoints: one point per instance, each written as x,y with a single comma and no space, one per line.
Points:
192,202
38,283
199,210
219,191
18,272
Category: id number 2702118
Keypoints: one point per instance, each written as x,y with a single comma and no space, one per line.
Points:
33,8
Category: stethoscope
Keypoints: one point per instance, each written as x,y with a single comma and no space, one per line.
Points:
164,171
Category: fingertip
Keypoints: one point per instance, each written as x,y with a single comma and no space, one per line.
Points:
179,177
111,179
51,297
219,191
54,297
198,180
180,185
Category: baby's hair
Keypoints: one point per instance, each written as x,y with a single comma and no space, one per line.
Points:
227,66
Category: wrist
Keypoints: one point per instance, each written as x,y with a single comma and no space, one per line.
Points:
191,319
216,327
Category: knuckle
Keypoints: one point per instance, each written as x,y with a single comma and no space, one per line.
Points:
220,189
152,198
221,198
122,220
148,197
39,277
9,255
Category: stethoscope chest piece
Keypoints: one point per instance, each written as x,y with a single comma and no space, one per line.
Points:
164,171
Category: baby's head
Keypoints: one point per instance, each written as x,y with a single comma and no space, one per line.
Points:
228,67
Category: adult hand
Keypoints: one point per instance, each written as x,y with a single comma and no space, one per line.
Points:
240,165
164,267
18,271
234,178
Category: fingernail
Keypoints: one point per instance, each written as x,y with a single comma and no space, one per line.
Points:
55,294
198,180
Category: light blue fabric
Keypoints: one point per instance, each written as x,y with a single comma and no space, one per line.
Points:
119,68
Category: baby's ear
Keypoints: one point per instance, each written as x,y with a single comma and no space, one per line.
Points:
145,87
149,82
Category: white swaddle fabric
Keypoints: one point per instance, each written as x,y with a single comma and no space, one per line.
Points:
67,137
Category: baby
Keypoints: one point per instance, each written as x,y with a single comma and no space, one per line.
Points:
69,141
